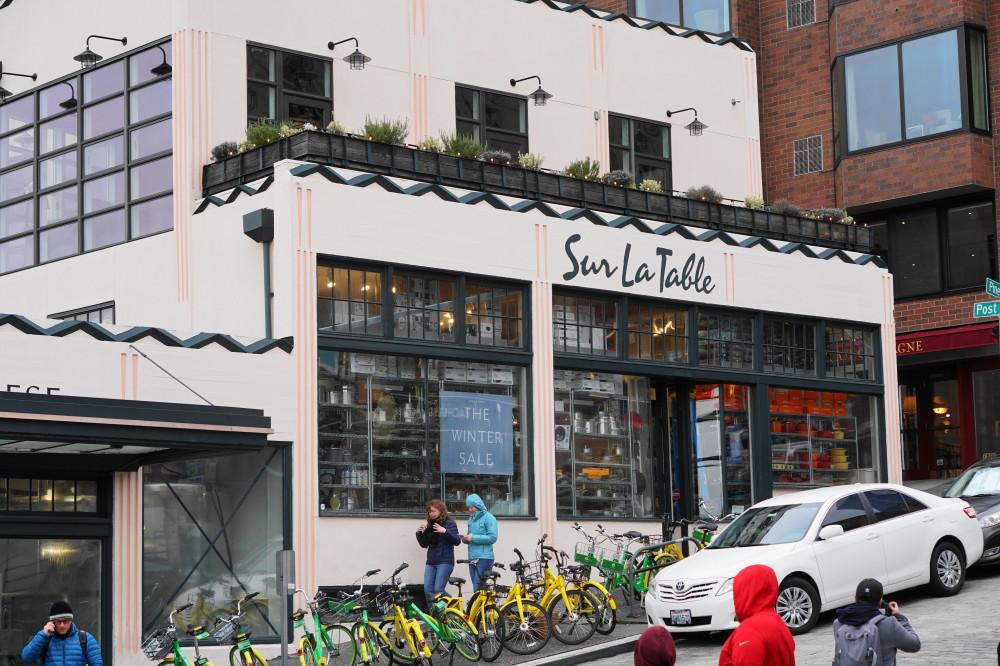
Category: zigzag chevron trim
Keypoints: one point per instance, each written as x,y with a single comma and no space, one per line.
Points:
136,333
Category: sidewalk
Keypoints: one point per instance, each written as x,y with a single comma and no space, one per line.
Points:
622,640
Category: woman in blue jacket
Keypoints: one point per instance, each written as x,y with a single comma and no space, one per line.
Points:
439,535
481,537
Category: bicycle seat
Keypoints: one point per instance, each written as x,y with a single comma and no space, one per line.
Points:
632,534
493,575
709,527
194,631
577,568
456,581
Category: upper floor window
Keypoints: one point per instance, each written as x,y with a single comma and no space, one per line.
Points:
850,352
725,339
48,495
498,121
912,89
789,346
640,147
800,12
937,248
286,86
708,15
98,314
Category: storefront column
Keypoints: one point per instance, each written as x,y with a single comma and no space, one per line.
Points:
893,470
126,593
543,419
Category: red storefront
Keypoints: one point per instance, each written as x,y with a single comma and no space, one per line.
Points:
949,387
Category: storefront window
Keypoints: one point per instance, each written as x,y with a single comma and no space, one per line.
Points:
850,352
425,307
789,347
585,324
820,438
48,495
945,434
210,532
986,393
909,427
396,431
722,448
604,461
493,315
725,340
349,300
657,333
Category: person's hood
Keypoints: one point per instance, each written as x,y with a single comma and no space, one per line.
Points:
475,500
857,613
655,648
755,589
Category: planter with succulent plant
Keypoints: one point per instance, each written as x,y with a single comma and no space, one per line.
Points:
618,178
651,185
531,161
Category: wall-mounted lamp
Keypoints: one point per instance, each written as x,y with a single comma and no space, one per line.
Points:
71,102
164,67
4,93
734,101
695,127
356,60
88,58
539,97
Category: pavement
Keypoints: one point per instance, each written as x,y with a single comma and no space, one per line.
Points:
962,630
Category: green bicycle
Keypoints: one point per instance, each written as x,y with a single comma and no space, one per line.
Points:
163,646
243,653
331,645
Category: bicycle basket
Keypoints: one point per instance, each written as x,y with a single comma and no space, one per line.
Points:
533,572
224,630
613,560
384,602
586,553
332,611
157,646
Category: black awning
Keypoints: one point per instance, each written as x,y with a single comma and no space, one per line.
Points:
39,431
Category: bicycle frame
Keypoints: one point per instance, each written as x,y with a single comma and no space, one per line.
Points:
309,636
179,657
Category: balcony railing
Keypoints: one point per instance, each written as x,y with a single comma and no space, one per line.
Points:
511,180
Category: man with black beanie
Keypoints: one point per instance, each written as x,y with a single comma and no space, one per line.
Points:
894,630
61,643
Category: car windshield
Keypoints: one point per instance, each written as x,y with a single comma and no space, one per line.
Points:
975,482
762,526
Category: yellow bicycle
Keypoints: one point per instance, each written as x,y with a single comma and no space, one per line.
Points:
407,640
573,611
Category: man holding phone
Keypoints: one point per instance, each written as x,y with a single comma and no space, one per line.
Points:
864,624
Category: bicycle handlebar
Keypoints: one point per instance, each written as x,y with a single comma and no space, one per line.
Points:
400,568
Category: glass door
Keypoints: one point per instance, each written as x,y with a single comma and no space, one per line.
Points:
721,449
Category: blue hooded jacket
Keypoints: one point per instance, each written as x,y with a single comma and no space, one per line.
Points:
63,650
482,529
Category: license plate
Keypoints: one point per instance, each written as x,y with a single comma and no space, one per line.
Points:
680,617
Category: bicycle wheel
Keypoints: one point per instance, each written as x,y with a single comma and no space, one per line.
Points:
342,650
573,616
490,628
306,657
398,645
373,645
248,658
467,644
607,617
525,631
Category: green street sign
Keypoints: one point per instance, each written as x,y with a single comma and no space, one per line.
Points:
986,309
993,288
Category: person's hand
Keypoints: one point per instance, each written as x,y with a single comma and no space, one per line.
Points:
439,528
49,628
421,527
893,608
467,538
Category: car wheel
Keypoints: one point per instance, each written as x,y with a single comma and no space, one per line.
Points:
798,605
947,569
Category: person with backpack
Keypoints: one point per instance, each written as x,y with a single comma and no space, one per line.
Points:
481,537
863,635
61,643
762,639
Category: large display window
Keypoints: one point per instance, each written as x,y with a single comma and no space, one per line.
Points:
721,448
397,431
603,434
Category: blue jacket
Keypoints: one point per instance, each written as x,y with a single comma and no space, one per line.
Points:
482,529
440,547
63,650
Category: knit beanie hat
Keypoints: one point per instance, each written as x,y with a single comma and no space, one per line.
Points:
655,648
60,611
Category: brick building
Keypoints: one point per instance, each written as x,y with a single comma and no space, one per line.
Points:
886,109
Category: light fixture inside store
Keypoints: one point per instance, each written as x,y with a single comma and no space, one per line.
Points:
88,58
695,127
4,93
70,103
356,60
539,97
164,67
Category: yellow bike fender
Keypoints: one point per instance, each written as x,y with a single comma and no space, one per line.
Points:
604,593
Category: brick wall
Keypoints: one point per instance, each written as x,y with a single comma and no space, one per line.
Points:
941,312
862,23
609,5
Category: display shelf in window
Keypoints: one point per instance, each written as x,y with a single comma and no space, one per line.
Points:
815,451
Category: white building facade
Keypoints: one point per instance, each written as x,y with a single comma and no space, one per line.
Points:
360,328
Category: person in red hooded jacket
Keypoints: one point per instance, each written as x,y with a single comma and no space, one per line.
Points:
762,639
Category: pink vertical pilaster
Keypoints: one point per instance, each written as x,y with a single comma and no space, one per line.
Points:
542,386
126,543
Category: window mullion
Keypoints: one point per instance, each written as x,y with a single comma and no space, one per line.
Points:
902,94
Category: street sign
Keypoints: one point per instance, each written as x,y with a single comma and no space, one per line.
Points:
986,309
993,288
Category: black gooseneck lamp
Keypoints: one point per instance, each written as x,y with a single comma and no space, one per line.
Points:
695,127
70,103
539,97
356,60
88,58
4,93
164,67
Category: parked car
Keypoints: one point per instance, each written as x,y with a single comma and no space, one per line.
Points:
979,485
821,543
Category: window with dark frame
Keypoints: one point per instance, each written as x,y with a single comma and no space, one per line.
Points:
98,314
349,300
494,314
496,120
19,495
807,155
284,86
706,15
850,352
657,332
424,307
104,168
725,340
585,324
641,148
911,89
789,346
800,12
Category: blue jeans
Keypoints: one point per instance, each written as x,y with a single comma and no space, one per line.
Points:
436,580
477,571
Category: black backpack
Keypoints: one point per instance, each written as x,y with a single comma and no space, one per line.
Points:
83,648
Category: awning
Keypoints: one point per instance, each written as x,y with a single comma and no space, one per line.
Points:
39,431
954,338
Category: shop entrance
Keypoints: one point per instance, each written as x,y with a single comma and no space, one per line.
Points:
931,424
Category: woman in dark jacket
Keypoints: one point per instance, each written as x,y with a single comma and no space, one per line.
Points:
439,535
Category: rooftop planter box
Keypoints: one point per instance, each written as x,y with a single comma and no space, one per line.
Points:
512,180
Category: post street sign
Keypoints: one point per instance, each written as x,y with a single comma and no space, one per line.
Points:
993,288
986,309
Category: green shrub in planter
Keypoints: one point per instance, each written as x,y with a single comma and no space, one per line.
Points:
496,156
618,177
784,207
530,160
833,215
333,127
261,134
386,131
651,185
462,145
753,203
224,150
431,144
586,168
704,193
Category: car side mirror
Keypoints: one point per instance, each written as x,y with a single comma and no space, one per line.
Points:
830,532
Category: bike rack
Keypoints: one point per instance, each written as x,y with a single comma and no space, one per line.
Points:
634,573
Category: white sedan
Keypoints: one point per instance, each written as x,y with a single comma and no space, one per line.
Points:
821,543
